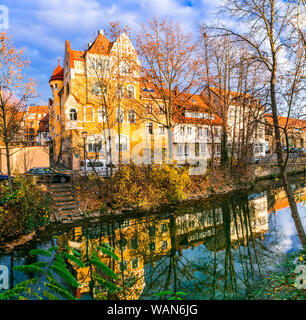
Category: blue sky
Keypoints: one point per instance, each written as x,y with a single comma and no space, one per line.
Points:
42,26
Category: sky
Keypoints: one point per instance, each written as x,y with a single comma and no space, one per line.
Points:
40,27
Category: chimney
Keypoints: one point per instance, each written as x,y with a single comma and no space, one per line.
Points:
89,44
101,32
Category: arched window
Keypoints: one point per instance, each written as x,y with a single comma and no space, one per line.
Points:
132,116
119,115
73,115
119,91
123,143
131,92
94,143
124,68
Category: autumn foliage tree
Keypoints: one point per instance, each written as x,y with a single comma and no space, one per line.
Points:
15,93
169,73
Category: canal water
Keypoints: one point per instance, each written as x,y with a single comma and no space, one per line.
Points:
213,249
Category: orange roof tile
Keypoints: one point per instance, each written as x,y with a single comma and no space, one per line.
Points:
101,45
44,124
58,73
292,122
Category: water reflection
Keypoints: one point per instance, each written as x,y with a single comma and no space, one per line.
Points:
211,250
214,250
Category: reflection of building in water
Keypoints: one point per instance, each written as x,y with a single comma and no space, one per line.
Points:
133,241
207,227
281,201
146,240
258,205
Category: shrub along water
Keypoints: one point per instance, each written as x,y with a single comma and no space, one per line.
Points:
148,186
23,207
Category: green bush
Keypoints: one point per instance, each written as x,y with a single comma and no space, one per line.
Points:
23,207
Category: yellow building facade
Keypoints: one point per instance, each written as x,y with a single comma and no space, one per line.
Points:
97,93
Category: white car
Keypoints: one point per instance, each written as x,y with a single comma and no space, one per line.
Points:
99,167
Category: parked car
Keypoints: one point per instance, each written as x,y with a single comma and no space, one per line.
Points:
44,174
4,177
98,166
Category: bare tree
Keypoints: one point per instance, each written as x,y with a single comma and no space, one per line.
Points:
169,74
15,94
271,38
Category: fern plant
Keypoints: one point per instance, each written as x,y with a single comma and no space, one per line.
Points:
170,295
48,275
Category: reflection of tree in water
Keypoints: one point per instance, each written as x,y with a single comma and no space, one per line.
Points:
210,250
225,261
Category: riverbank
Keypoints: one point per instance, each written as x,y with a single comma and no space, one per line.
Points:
285,283
110,213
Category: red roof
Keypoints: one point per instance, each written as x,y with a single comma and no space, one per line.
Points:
101,45
44,124
292,122
58,73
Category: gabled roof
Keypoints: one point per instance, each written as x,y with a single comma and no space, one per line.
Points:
44,124
101,45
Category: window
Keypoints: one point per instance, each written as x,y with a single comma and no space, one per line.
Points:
149,128
179,149
120,91
123,265
122,244
119,115
200,131
102,114
152,231
131,92
73,114
132,116
124,68
189,130
55,86
202,148
161,109
218,148
57,117
163,228
134,243
123,143
98,89
164,245
135,263
149,109
186,150
161,129
182,130
67,89
94,144
152,246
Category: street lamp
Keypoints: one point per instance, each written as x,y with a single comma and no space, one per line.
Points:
84,136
